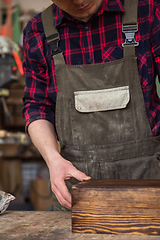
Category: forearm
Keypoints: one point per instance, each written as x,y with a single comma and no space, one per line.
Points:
43,136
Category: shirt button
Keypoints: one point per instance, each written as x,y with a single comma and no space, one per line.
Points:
90,60
86,28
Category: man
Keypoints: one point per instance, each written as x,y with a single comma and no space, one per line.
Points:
106,126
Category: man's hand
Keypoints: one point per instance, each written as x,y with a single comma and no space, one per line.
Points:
43,137
61,170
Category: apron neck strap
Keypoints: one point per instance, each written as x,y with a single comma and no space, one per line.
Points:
130,12
130,27
51,32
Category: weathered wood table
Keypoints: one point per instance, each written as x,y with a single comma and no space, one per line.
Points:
18,225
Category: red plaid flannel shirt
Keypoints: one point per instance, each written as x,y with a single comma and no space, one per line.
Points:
99,40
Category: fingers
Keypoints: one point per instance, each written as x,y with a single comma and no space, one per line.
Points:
80,176
61,191
64,171
62,194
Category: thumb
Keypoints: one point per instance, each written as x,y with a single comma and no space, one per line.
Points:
80,176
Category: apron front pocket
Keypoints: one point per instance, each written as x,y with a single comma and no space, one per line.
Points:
101,116
102,100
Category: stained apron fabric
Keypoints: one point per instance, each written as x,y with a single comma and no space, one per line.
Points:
101,120
107,144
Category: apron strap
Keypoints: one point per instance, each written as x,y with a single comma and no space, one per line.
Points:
130,27
51,32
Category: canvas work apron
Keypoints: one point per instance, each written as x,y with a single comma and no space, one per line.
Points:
101,117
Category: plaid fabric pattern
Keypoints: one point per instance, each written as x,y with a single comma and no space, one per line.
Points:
99,40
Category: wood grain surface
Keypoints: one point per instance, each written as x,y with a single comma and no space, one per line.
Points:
116,207
46,225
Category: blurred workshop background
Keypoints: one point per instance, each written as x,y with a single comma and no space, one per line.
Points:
23,172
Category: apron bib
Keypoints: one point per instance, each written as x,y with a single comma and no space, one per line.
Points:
101,118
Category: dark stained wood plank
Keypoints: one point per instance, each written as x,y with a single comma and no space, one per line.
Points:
97,183
116,207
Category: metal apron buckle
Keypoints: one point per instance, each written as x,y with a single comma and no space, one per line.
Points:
53,42
129,31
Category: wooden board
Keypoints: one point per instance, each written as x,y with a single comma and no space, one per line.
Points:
116,207
47,225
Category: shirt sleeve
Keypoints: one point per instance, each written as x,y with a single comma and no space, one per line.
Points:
155,33
40,90
155,42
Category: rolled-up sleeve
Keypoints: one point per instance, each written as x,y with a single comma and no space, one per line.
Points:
40,89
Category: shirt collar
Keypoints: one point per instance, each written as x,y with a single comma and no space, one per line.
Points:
58,15
107,5
113,5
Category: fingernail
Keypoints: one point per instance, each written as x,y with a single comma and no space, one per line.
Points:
86,178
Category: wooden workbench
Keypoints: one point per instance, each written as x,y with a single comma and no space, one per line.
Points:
18,225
